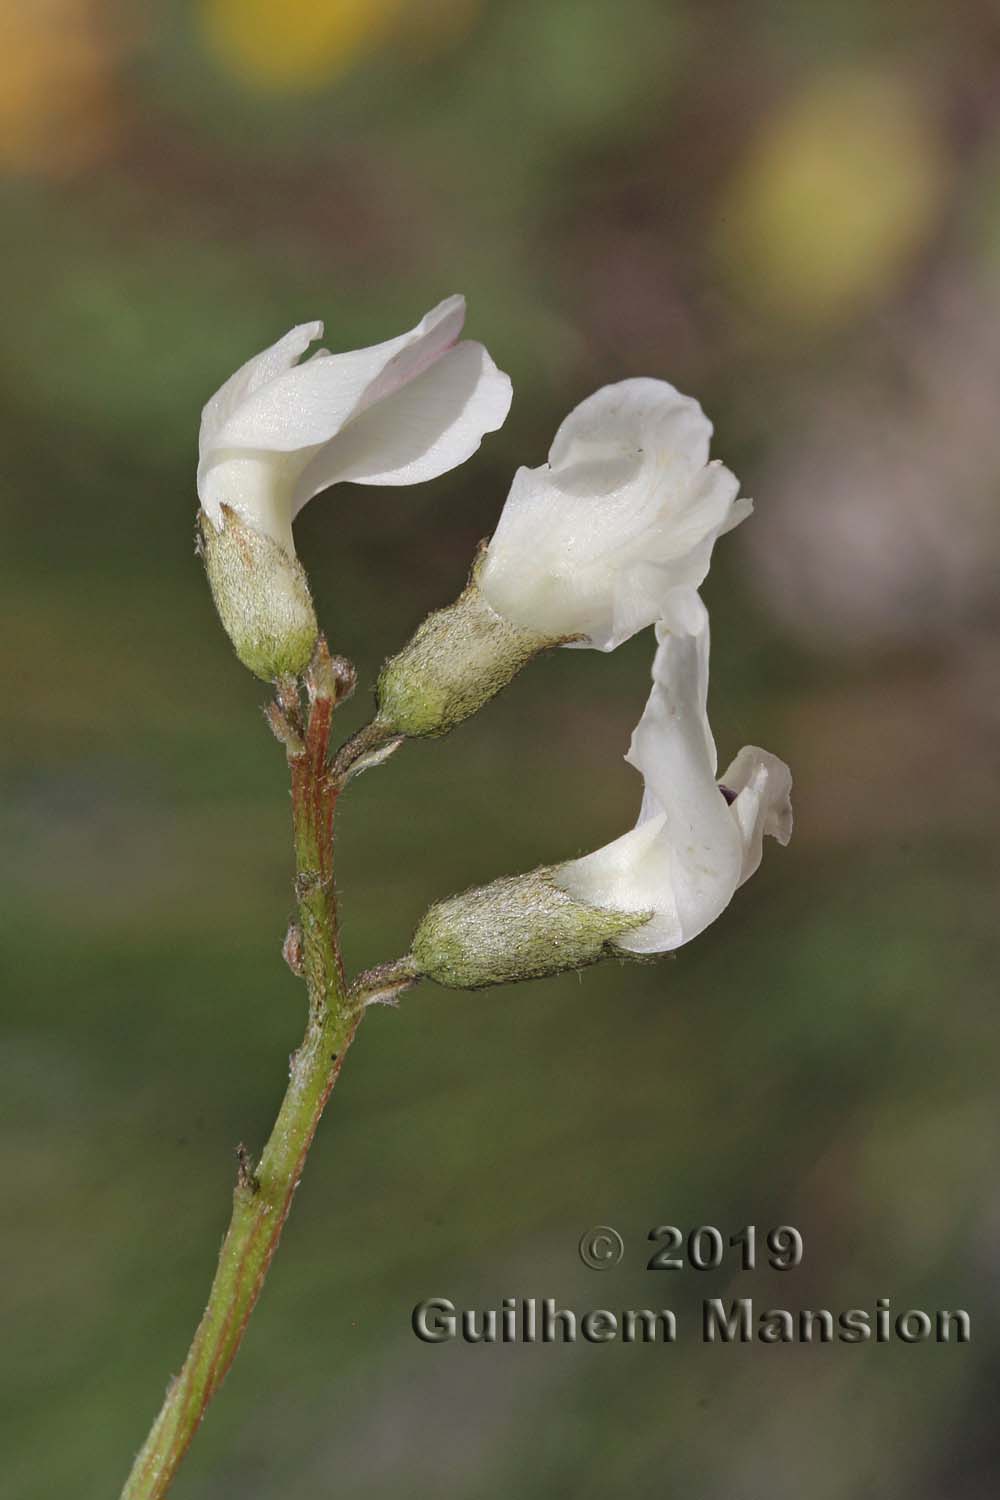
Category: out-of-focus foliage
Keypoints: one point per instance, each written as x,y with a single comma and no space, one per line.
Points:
303,44
836,196
790,212
58,106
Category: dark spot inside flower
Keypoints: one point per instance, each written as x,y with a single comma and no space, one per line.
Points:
729,795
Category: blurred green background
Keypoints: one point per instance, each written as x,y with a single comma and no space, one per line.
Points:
792,212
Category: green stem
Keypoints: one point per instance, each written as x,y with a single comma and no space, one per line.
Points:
263,1197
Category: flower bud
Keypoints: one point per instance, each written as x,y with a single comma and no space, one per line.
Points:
520,927
261,594
455,662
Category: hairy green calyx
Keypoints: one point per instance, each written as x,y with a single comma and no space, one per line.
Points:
458,659
262,596
519,927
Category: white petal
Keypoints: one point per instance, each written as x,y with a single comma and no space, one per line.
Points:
308,404
628,416
257,372
626,510
417,350
689,850
682,861
426,426
680,665
257,485
678,558
741,509
273,420
763,786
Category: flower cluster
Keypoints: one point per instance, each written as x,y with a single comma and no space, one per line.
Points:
612,535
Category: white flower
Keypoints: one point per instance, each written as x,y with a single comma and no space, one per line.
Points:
627,509
695,841
279,431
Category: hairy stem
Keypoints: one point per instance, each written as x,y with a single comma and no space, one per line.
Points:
384,984
263,1195
369,747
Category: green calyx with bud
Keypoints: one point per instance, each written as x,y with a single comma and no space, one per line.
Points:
458,659
519,927
262,596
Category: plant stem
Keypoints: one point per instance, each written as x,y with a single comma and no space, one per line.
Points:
263,1197
384,984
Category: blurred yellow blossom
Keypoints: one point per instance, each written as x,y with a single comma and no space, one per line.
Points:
295,45
836,193
58,110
